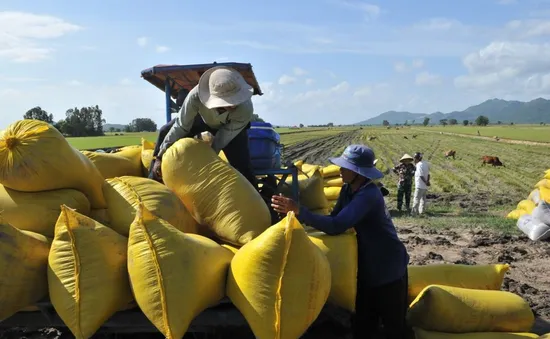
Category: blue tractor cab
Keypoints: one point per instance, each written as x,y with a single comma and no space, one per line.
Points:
264,141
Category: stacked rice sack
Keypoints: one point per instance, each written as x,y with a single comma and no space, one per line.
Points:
533,213
98,238
331,182
463,301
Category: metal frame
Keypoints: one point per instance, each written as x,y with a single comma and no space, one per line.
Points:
212,320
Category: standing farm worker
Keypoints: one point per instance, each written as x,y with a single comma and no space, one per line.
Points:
382,278
405,170
421,184
221,105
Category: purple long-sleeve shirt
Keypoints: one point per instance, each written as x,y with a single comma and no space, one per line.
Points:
382,256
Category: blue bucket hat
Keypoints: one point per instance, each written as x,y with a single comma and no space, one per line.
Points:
359,159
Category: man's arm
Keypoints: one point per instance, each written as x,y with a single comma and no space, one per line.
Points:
347,218
184,122
239,118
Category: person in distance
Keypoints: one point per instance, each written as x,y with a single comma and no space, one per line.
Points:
382,277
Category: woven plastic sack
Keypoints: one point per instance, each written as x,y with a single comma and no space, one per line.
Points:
38,211
24,264
133,153
341,252
515,214
112,165
333,182
526,205
174,276
87,275
461,310
35,157
312,194
331,171
533,228
124,194
280,281
217,195
332,193
481,277
147,150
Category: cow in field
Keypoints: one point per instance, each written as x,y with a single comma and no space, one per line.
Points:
414,136
372,138
495,161
405,137
451,153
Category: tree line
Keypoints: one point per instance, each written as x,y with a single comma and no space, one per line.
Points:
479,121
88,121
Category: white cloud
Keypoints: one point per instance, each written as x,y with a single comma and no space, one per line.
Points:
418,63
299,71
286,79
75,83
506,2
370,11
309,81
427,79
142,41
400,67
505,68
22,35
162,49
126,82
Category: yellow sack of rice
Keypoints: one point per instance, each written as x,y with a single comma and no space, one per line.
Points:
341,252
24,265
132,153
307,168
333,182
332,193
545,194
101,215
312,194
423,334
515,214
38,211
88,274
544,336
35,157
147,150
279,281
543,183
223,157
174,276
481,277
331,171
299,164
526,205
461,310
112,165
215,193
124,194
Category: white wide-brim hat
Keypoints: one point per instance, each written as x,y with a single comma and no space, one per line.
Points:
406,157
222,86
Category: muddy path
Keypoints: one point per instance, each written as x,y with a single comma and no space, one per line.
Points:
502,140
529,261
317,151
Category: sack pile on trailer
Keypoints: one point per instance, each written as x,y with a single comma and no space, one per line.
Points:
87,232
533,213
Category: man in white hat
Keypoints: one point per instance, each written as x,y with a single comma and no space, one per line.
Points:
220,104
405,170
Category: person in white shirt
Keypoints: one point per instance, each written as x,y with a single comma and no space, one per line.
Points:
220,104
421,183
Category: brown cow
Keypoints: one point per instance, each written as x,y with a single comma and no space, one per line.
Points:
495,161
372,138
451,153
414,136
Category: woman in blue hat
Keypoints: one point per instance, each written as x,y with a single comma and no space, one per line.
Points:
382,279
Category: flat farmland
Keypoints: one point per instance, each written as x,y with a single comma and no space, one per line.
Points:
536,133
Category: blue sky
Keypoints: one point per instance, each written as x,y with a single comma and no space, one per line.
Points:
320,61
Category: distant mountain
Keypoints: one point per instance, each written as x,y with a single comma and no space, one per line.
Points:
107,127
518,112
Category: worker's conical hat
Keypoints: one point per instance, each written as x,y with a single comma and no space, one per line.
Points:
406,157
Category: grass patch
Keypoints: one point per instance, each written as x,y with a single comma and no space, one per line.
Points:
536,133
